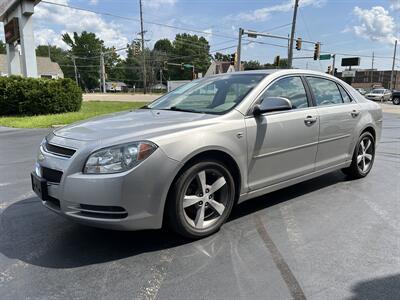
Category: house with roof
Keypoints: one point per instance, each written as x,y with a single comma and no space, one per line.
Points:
46,67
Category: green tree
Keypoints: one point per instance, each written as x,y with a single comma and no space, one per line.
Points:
252,65
132,67
190,49
222,57
164,45
87,49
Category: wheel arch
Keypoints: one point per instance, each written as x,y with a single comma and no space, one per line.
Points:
371,130
213,154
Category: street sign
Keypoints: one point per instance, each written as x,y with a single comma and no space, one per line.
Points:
350,61
349,73
252,34
325,57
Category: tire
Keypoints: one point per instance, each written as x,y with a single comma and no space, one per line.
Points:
193,209
362,161
396,101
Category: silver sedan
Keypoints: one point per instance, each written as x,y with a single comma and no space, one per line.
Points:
187,158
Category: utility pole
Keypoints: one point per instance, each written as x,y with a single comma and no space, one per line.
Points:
103,73
76,70
239,51
143,52
333,64
372,67
394,61
48,48
290,56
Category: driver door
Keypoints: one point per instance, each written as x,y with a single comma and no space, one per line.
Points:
282,145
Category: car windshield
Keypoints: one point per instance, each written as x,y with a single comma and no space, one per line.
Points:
377,91
213,95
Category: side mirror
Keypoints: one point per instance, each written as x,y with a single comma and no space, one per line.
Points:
271,104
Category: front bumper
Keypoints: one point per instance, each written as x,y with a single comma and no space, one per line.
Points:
374,98
131,200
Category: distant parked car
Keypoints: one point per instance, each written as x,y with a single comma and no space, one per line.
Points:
361,91
396,97
379,95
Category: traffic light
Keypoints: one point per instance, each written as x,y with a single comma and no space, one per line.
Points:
233,59
317,51
329,70
136,49
299,43
277,61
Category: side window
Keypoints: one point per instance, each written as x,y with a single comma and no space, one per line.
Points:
345,96
291,88
326,92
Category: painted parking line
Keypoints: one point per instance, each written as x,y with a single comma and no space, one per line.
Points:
293,285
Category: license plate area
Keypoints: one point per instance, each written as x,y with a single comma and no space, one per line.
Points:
39,186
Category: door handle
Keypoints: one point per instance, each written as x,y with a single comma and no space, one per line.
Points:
355,113
310,120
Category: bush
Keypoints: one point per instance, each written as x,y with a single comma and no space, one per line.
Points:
31,96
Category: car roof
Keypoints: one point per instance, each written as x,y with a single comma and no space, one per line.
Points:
272,71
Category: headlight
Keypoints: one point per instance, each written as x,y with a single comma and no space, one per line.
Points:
119,158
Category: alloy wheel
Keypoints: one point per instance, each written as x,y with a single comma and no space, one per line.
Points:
205,199
365,155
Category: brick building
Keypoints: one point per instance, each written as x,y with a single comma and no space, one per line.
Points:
368,79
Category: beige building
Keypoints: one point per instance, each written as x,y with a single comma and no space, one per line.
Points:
46,67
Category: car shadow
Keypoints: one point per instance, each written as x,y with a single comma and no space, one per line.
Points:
385,288
31,233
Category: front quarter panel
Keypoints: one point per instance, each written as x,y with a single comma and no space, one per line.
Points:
225,133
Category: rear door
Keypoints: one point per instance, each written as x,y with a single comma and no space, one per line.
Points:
282,145
338,115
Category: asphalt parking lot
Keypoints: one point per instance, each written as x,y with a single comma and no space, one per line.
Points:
328,238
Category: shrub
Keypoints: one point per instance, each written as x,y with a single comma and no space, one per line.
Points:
31,96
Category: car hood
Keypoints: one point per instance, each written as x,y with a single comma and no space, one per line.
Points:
374,95
141,124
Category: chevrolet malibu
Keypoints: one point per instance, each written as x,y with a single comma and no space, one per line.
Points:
187,158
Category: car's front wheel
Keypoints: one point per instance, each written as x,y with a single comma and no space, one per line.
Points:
363,157
201,199
396,101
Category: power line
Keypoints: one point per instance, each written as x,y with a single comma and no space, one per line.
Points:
231,38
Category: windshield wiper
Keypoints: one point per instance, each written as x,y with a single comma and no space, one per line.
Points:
174,108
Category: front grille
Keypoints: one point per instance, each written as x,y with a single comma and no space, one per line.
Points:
57,150
51,175
102,212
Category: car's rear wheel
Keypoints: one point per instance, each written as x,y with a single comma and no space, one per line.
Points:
396,101
363,157
201,199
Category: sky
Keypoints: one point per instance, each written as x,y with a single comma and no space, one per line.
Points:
351,27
